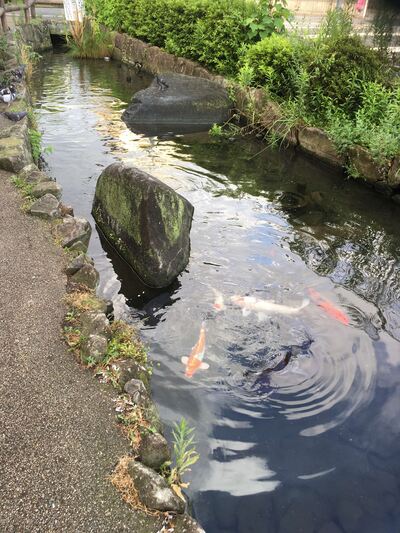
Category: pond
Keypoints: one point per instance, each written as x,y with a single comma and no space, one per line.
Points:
297,418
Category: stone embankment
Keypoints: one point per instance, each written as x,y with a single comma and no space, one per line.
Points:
60,442
266,116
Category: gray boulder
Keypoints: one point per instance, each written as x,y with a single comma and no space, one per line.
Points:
95,348
137,391
94,323
47,187
153,489
178,103
87,276
73,230
153,450
146,221
46,207
77,263
130,369
14,154
32,175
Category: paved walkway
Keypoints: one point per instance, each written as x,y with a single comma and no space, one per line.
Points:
58,438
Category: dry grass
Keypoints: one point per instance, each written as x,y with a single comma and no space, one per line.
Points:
83,301
123,482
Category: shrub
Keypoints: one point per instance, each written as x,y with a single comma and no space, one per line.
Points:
269,17
273,60
210,31
339,71
376,124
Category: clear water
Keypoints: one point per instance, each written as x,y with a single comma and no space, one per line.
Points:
314,445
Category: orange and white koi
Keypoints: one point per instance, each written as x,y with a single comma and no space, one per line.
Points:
328,307
219,304
195,360
264,308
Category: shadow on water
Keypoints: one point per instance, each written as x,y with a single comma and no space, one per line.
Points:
312,445
140,296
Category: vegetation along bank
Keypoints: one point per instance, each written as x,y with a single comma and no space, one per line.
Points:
330,94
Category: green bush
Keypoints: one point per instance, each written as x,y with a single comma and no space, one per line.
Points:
210,31
339,71
273,60
375,126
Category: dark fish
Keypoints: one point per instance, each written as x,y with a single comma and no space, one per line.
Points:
15,117
261,376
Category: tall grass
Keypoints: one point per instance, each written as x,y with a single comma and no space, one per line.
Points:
89,40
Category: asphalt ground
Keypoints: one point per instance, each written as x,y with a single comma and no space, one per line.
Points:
59,440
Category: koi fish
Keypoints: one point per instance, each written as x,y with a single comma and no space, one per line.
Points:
287,353
195,360
328,307
263,308
219,304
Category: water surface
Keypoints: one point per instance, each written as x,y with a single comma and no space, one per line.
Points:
313,446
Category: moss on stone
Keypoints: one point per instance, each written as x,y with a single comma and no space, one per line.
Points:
172,211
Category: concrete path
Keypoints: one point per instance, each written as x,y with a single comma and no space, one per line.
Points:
58,438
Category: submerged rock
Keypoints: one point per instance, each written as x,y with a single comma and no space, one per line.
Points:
46,207
146,221
178,103
153,489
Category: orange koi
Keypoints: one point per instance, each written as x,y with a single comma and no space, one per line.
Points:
195,360
328,307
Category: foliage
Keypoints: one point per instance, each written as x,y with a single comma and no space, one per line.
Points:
210,31
185,454
272,61
340,70
35,138
124,344
22,185
89,40
268,18
382,28
28,57
337,24
376,124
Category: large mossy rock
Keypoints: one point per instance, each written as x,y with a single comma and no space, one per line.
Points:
178,103
146,221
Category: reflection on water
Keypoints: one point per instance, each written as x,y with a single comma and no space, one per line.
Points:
311,444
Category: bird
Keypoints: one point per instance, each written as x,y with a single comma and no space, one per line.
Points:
162,84
8,94
15,117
